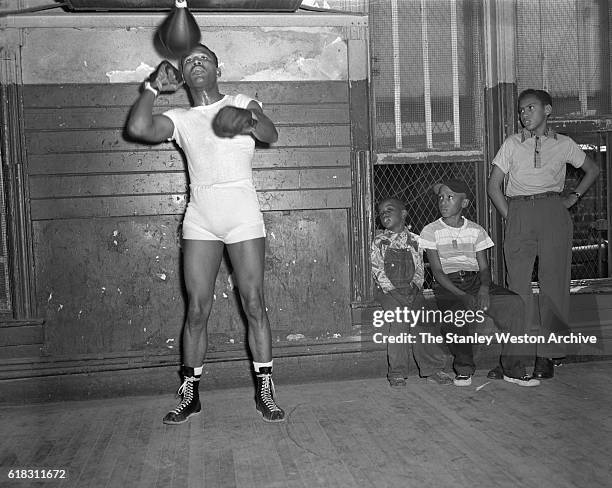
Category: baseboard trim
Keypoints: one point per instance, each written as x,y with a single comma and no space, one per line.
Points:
164,379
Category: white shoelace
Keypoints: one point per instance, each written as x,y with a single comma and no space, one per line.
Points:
268,393
186,390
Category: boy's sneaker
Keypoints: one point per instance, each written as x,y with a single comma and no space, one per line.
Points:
441,378
463,380
397,382
557,362
525,380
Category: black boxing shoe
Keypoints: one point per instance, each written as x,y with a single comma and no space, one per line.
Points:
543,369
190,401
264,397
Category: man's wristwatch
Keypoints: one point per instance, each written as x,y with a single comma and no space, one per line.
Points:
578,195
148,86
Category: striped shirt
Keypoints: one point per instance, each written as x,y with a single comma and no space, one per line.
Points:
456,246
517,159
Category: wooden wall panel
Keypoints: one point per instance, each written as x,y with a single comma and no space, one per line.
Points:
175,204
106,216
81,164
115,285
124,94
71,141
146,160
149,183
39,118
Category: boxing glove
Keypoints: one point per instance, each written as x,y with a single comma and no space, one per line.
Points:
231,121
166,78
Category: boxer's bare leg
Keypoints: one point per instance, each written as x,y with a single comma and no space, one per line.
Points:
201,261
248,262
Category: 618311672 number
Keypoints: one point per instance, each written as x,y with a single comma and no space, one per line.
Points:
36,474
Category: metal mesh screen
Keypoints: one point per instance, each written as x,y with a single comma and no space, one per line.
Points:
563,47
412,183
590,214
426,74
5,291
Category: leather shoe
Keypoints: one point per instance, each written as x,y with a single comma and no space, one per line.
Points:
496,373
543,368
558,361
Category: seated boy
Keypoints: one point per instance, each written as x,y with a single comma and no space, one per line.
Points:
397,267
456,249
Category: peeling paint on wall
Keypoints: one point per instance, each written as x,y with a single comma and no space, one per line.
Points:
125,76
331,64
111,55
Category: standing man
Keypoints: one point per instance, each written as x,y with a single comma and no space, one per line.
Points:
537,220
217,135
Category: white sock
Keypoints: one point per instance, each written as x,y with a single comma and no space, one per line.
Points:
257,365
198,371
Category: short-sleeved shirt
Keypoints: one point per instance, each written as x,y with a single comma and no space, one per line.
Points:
456,246
516,158
212,159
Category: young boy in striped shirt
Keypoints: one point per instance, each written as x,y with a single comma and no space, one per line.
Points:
456,250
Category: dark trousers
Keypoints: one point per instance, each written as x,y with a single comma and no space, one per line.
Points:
428,357
543,228
507,311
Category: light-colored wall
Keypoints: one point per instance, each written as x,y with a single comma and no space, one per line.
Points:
107,55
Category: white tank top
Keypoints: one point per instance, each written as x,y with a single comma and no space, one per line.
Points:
212,159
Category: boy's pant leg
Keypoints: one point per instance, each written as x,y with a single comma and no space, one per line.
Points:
463,354
430,357
507,309
541,228
520,251
554,270
397,354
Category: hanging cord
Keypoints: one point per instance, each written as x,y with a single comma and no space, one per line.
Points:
4,13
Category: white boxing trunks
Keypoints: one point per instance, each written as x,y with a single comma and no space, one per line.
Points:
227,212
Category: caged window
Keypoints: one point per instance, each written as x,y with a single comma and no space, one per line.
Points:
427,99
426,75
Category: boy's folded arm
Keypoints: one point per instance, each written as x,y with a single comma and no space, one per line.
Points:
591,172
485,271
483,300
419,276
378,269
495,191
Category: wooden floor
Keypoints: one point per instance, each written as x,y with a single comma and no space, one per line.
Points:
357,433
